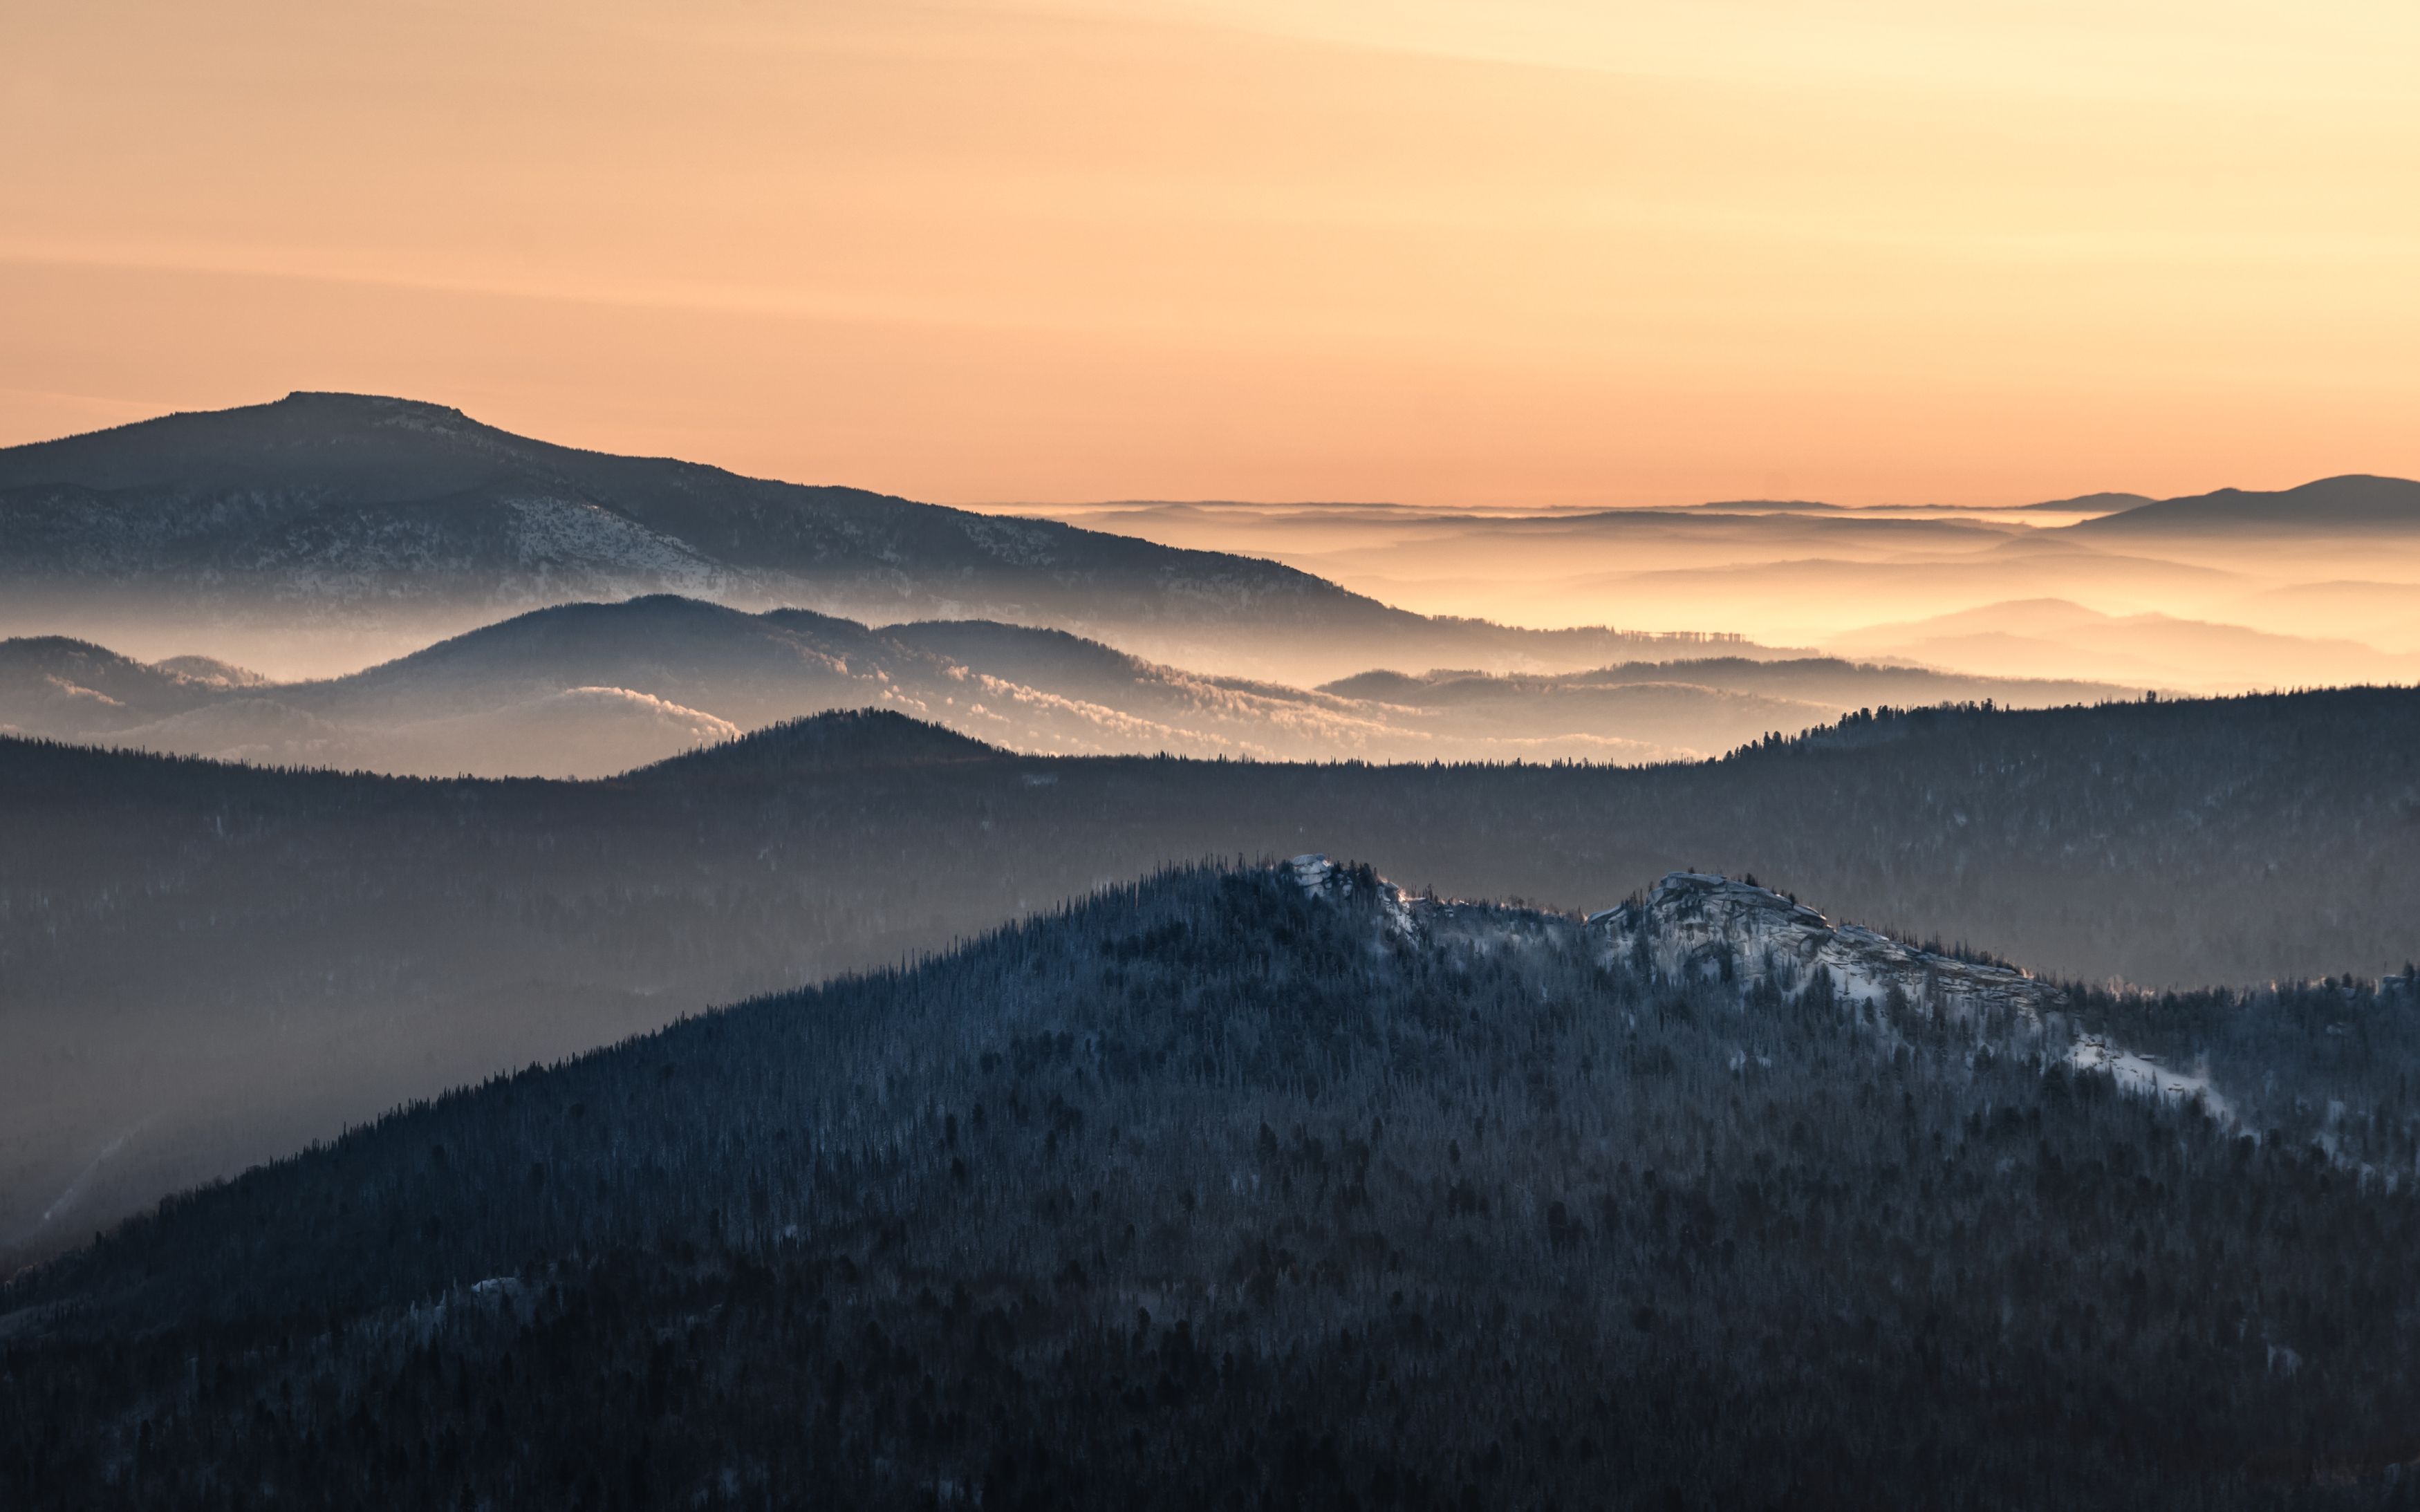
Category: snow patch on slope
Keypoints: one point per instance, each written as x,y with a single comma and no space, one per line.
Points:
556,535
2144,1076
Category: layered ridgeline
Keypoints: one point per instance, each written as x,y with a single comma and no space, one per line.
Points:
380,524
589,689
1280,1187
202,967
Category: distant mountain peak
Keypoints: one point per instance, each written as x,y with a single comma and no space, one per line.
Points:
2347,502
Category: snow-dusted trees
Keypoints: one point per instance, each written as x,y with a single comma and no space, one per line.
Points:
1212,1191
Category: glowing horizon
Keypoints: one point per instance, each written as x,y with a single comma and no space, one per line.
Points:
1539,254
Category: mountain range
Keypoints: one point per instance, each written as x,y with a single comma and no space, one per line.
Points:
325,532
379,522
659,988
203,966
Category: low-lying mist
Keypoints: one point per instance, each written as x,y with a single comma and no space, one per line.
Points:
2310,587
589,690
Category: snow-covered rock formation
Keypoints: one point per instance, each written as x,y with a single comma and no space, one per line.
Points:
1693,924
1696,926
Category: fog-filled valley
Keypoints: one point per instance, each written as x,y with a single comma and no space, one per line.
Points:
532,976
2217,592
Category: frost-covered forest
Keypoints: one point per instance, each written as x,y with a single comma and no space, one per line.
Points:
1222,1190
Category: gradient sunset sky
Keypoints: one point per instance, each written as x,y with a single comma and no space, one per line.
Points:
1529,252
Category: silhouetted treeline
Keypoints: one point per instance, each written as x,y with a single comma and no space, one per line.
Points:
1213,1194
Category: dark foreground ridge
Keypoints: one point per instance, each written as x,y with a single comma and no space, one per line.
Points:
1278,1188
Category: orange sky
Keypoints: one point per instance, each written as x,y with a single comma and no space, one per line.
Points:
1532,250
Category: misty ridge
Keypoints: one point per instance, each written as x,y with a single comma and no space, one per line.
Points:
533,977
2226,591
592,690
324,532
327,531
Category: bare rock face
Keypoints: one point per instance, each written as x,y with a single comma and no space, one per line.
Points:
1693,924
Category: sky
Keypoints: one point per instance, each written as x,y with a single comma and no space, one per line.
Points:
1529,252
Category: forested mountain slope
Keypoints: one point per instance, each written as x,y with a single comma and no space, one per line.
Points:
203,965
1280,1188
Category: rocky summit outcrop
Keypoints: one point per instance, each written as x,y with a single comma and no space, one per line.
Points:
1694,924
1319,877
1698,926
